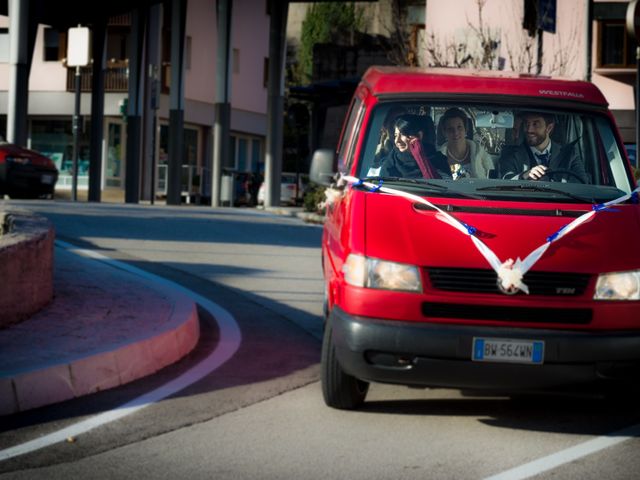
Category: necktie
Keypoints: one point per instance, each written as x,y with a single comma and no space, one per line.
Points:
543,158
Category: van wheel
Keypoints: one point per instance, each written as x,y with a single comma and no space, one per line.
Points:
339,389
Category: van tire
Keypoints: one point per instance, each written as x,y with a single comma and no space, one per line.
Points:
339,389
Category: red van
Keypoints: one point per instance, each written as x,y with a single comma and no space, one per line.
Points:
455,254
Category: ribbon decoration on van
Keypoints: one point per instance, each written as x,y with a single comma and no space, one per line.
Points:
510,272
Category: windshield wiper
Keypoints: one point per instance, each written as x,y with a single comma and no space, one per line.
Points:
420,181
425,182
528,187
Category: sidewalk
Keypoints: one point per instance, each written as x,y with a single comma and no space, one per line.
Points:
105,327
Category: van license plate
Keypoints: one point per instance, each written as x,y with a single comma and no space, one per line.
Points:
508,350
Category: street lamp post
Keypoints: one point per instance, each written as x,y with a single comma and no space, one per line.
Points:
75,127
77,56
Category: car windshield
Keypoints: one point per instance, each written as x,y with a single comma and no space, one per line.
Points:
495,151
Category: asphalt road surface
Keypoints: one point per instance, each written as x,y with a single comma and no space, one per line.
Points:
261,414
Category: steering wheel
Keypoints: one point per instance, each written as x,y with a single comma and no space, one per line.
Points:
551,173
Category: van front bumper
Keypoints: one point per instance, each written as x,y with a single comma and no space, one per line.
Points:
439,355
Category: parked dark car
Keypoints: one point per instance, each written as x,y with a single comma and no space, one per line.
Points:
25,173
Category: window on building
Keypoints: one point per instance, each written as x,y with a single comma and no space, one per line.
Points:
118,44
4,45
187,53
616,49
235,62
52,45
265,72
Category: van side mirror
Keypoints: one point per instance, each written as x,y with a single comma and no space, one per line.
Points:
322,167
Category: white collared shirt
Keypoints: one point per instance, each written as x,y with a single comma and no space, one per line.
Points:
537,152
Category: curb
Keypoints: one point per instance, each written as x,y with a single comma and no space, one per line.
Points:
128,358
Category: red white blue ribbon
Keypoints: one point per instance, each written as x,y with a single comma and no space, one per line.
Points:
510,272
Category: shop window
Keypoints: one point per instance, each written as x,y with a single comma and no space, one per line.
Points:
54,138
257,164
246,153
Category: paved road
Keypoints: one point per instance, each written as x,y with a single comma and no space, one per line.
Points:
261,414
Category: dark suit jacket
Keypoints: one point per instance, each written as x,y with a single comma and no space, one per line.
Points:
518,159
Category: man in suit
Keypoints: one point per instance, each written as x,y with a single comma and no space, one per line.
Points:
538,156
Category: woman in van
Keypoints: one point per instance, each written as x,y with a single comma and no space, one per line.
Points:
412,156
465,157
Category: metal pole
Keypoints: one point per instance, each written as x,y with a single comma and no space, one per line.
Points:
75,127
155,105
154,121
18,93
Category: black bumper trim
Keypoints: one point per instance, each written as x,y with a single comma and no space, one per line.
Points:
439,355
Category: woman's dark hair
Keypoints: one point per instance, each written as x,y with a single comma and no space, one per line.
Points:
410,124
456,113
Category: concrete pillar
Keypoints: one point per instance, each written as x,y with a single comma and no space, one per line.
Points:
99,29
134,106
222,122
275,102
176,101
19,60
152,87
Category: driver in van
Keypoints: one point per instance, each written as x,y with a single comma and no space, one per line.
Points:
539,156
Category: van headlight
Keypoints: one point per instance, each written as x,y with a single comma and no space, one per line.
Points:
618,286
361,271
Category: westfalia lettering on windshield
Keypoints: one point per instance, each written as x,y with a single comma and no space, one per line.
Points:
561,93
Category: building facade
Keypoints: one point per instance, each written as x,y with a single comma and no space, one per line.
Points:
599,50
51,98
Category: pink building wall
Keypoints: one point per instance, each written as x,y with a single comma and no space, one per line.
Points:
250,39
46,76
565,52
619,94
4,67
250,36
202,26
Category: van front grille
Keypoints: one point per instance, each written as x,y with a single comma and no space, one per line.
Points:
571,316
471,280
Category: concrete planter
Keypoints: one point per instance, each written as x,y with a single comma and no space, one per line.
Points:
26,265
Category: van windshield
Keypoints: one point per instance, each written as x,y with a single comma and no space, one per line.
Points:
495,150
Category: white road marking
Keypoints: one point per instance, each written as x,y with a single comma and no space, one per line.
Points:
568,455
229,342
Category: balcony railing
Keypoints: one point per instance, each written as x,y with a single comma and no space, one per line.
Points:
116,79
